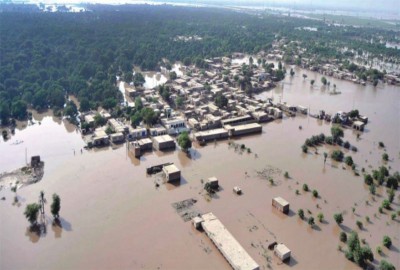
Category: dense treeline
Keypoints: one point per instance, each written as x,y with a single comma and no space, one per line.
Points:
45,56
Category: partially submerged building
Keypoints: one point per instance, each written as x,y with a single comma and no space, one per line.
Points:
243,129
282,252
358,125
280,204
172,173
211,135
230,248
163,142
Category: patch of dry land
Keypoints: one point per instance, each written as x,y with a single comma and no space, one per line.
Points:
114,216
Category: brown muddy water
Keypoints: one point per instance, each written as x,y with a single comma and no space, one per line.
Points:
114,217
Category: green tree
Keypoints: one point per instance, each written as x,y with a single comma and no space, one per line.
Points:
384,265
136,119
138,104
184,141
220,100
149,116
55,206
138,79
337,155
84,105
320,217
348,160
338,217
311,221
387,242
18,110
172,75
324,81
179,101
368,179
300,212
337,133
385,156
343,237
312,82
31,212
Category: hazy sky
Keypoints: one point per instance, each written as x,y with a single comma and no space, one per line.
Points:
392,6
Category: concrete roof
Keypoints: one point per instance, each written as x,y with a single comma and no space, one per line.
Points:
163,138
233,252
281,201
170,169
282,249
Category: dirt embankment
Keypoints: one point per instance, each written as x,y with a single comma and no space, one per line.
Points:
23,176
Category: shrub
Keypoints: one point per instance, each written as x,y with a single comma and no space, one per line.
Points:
343,237
346,145
286,175
379,250
329,140
387,242
385,157
304,148
359,224
384,265
305,187
368,179
301,213
337,155
349,160
311,221
381,144
386,204
354,149
320,217
315,193
338,217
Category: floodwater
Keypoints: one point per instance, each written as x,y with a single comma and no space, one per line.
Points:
114,217
153,79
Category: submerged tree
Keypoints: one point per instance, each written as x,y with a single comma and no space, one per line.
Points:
55,206
184,141
31,212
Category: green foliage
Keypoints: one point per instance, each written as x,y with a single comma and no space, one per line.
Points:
312,82
31,212
220,100
336,133
323,80
18,110
348,160
138,79
286,175
338,217
384,265
368,179
84,105
387,242
315,193
138,104
136,119
109,130
304,148
359,224
393,181
300,212
381,144
386,204
172,75
337,155
320,217
311,221
149,116
305,187
385,156
343,237
71,111
184,141
391,194
55,206
354,113
99,120
372,189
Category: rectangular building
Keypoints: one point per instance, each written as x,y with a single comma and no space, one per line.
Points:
172,173
210,135
230,248
280,204
163,142
282,252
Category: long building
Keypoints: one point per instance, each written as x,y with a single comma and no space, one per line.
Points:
233,252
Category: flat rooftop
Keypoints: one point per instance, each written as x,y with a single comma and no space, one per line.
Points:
169,169
163,138
247,126
211,132
281,201
233,252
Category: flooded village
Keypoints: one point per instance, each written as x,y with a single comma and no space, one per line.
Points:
245,167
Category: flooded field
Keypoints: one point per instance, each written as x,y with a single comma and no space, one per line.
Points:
113,216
